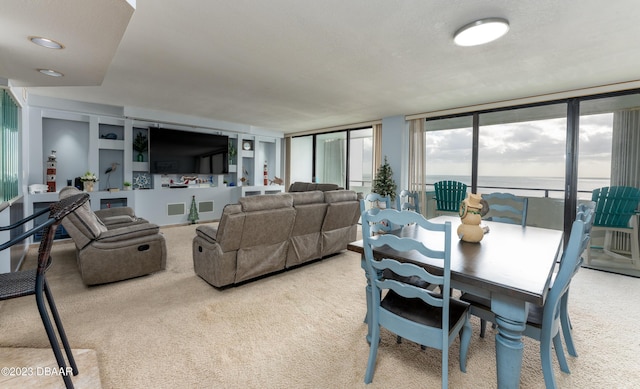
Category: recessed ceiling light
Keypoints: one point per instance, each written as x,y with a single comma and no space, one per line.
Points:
50,72
481,31
46,42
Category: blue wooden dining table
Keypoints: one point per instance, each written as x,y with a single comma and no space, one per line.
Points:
512,266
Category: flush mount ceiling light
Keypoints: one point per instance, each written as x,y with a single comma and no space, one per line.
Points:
50,72
46,42
481,31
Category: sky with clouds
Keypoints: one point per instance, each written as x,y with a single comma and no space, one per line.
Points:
533,149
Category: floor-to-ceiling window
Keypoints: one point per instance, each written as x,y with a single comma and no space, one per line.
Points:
522,151
555,153
609,143
344,158
448,150
301,155
361,160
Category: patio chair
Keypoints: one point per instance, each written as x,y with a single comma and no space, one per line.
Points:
506,208
414,313
617,211
408,200
544,323
33,281
449,195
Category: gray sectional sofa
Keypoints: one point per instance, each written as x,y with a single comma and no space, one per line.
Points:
268,233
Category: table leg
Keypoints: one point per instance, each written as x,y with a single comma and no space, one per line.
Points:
511,316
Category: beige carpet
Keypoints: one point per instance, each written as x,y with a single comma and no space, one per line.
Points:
298,329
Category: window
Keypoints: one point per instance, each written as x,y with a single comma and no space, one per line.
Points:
361,160
609,143
522,151
344,158
448,149
554,152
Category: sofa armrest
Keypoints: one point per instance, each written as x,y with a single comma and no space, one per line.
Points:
118,217
129,232
207,233
116,211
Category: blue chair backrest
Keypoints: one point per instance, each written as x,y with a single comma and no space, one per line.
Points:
507,208
375,200
615,205
408,201
569,263
449,195
375,267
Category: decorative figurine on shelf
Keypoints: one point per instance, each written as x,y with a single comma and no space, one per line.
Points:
110,170
276,181
470,214
265,180
51,172
245,178
193,212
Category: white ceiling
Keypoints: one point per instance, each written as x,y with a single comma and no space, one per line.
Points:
295,65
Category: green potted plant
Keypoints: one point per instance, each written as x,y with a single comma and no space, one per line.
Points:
140,144
88,180
127,185
232,154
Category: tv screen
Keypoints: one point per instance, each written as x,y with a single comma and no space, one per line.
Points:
185,152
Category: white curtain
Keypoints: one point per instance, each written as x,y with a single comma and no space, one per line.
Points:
417,161
377,148
334,159
625,160
625,149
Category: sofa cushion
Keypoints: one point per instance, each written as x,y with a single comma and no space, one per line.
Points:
335,196
300,198
299,187
311,186
266,202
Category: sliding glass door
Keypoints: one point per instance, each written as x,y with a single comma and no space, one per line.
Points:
344,158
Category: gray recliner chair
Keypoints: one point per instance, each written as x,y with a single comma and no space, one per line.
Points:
113,244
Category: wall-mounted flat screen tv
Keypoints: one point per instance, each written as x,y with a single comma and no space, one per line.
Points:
187,152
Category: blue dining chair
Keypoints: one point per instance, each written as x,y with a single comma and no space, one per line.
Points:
544,323
376,201
506,208
449,195
408,200
585,213
413,313
616,208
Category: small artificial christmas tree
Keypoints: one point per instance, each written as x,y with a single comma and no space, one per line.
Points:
383,184
193,212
